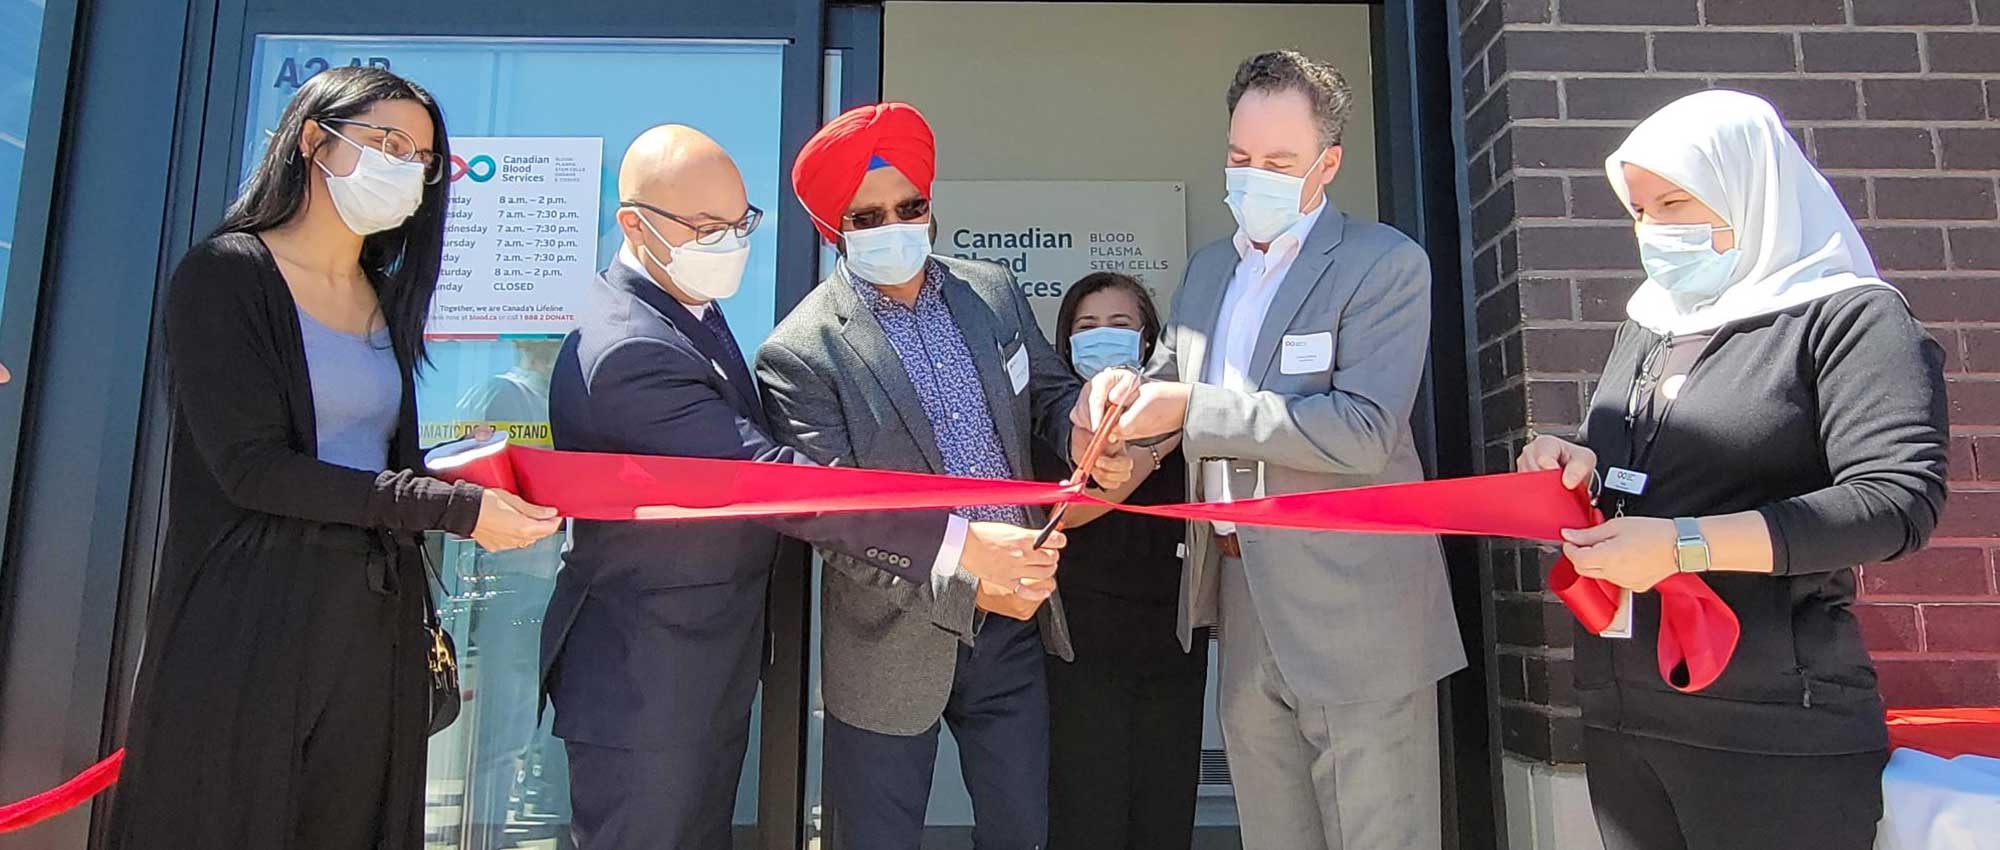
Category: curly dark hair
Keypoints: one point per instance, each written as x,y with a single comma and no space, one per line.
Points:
1290,70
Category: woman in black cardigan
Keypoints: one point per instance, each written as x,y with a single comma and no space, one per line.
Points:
283,696
1771,417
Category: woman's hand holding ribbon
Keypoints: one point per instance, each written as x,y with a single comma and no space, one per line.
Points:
1632,552
507,522
1578,463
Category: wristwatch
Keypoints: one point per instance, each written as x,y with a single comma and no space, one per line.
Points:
1690,547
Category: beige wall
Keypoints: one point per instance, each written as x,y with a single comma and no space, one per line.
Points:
1112,91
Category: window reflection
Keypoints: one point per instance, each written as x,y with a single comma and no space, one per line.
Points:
512,779
20,48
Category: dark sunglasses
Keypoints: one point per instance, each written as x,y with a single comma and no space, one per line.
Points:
873,217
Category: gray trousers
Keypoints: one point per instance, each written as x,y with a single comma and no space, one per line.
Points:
1351,776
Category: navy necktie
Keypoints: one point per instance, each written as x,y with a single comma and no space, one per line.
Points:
711,319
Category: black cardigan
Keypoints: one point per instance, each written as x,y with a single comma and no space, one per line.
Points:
244,433
1828,418
290,592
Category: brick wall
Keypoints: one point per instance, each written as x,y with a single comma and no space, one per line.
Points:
1896,101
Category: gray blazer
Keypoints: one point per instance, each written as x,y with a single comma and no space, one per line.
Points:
835,390
1349,617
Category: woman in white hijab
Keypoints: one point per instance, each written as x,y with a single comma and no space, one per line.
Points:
1771,417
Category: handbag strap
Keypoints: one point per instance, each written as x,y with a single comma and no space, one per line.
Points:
432,615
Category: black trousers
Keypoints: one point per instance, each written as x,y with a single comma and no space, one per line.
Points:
1651,794
1124,756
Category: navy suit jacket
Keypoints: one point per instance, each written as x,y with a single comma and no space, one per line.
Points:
655,633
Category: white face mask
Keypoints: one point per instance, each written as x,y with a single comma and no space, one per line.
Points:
707,272
379,194
889,255
1265,203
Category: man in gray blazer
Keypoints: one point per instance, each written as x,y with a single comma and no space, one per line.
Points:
908,361
1291,361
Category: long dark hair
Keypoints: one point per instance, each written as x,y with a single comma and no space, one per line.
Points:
402,263
1091,284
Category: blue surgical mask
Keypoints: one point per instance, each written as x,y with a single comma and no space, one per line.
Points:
1265,203
1098,349
889,255
1682,259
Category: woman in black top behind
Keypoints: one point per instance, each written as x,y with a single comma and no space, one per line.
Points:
1771,417
1125,718
283,695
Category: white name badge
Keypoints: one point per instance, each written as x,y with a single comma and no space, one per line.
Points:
1017,369
1625,481
1301,354
1621,621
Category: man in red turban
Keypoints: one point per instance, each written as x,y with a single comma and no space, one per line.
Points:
908,360
835,162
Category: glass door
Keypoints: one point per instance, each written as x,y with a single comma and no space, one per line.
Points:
537,128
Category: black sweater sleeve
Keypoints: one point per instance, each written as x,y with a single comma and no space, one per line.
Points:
1879,382
228,381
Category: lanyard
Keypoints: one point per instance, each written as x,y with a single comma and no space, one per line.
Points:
1644,380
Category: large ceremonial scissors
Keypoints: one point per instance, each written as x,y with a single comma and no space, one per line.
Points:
1082,473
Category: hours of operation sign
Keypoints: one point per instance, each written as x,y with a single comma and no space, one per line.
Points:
520,235
1051,233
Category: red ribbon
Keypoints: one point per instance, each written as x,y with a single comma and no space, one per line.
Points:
64,797
1698,632
1947,732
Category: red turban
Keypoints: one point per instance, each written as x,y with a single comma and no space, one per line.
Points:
830,167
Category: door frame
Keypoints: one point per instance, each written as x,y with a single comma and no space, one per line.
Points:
855,32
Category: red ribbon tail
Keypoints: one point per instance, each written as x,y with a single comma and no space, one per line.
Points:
1594,602
1698,633
62,798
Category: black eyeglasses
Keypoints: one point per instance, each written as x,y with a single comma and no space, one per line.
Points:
392,142
710,232
873,217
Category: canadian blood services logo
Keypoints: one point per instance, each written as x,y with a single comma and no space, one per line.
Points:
480,168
